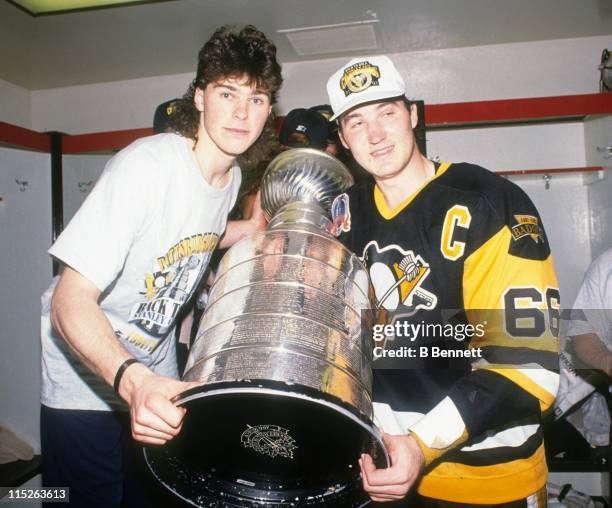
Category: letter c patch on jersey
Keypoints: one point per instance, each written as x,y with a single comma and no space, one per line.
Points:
456,216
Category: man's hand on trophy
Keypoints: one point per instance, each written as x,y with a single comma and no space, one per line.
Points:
154,418
258,217
394,482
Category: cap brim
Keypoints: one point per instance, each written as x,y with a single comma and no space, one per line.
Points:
373,96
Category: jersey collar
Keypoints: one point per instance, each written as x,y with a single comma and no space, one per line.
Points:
389,213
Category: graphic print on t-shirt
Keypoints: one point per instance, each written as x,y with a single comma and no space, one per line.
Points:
168,288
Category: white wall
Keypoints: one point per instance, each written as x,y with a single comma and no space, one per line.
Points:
600,214
598,134
15,107
502,148
80,173
106,106
534,69
25,272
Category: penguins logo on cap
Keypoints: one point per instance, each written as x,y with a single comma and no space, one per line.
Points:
359,77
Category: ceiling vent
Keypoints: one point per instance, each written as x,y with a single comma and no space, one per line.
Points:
339,38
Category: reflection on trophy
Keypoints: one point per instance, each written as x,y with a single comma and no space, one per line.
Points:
285,407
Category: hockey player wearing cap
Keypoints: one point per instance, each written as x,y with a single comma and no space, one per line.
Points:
304,128
435,237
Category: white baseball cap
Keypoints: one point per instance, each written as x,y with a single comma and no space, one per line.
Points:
364,79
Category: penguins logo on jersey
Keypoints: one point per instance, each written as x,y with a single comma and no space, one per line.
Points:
527,225
397,276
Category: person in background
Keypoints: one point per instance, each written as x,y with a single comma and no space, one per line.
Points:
312,128
334,147
304,128
132,256
448,245
586,381
591,335
590,327
162,118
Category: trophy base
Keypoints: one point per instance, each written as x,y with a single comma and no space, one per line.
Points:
266,443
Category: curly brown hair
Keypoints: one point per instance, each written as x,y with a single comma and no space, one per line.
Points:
229,54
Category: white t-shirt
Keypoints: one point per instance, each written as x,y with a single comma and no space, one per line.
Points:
144,237
592,313
595,300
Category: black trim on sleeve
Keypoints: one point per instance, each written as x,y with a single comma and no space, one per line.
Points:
487,400
493,456
520,356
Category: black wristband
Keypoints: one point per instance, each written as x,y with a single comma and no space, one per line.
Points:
120,372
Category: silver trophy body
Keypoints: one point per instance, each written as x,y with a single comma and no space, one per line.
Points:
283,327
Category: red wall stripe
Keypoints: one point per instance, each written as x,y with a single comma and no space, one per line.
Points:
102,141
516,110
547,171
436,115
24,138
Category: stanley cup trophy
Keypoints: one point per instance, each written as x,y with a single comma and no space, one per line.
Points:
285,406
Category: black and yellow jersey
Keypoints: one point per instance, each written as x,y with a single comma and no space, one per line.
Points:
468,248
